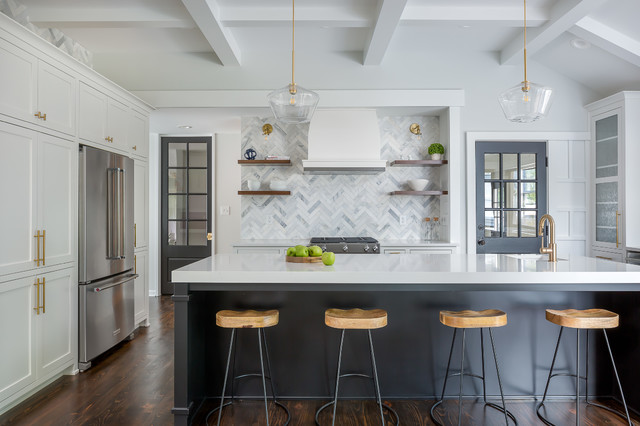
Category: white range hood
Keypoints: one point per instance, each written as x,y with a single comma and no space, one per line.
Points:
344,141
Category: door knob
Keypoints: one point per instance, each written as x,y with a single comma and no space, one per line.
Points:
480,227
481,242
209,236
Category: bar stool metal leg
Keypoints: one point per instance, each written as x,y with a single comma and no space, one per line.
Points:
504,405
226,375
461,378
264,383
375,378
273,386
577,377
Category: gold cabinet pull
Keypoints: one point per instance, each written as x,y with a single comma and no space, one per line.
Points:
37,114
209,236
109,139
604,257
43,291
41,116
37,259
135,147
44,244
44,117
617,233
37,308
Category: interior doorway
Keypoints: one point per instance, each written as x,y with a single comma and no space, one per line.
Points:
511,196
186,176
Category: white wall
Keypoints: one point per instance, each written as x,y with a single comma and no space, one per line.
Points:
227,183
154,214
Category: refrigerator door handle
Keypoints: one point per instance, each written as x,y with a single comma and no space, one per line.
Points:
121,225
110,206
115,245
128,278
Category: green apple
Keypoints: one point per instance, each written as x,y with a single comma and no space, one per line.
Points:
328,257
291,251
302,251
315,251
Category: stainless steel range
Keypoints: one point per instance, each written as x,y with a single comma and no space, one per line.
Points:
365,245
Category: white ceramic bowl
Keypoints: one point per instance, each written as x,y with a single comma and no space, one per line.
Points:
277,185
418,184
253,184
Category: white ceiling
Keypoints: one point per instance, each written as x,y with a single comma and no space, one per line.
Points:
238,34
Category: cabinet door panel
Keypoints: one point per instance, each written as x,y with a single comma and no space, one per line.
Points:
57,197
17,368
92,114
139,134
141,291
57,98
56,330
118,124
18,198
17,85
140,203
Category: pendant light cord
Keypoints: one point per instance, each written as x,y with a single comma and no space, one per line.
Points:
293,42
525,41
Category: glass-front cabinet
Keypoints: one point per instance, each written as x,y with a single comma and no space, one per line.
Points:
608,185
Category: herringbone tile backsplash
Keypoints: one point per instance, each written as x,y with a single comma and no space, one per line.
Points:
339,205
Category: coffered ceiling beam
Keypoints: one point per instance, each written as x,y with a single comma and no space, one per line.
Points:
306,16
389,14
473,15
564,15
62,17
206,14
608,39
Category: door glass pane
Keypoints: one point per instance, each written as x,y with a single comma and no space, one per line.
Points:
529,195
198,181
492,224
606,211
197,155
492,195
177,180
511,223
197,233
528,224
607,128
177,155
511,195
177,206
198,207
492,166
528,166
607,158
177,232
509,166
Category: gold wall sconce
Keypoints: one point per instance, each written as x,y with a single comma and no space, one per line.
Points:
415,129
267,129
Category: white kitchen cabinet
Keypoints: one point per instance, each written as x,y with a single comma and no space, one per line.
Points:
103,119
615,205
35,91
56,323
38,325
17,333
140,202
138,134
141,289
38,177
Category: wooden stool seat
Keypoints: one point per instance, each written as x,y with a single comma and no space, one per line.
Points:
473,319
353,319
247,319
587,318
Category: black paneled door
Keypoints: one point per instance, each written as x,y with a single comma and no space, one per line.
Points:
186,203
511,196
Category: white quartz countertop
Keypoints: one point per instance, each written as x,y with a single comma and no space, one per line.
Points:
305,241
408,269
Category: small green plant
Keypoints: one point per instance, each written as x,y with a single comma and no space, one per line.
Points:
436,148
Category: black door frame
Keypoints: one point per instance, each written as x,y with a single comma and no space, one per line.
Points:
188,254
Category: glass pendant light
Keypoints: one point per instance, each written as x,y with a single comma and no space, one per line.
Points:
292,103
527,101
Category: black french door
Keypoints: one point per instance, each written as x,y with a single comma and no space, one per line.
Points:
185,203
511,196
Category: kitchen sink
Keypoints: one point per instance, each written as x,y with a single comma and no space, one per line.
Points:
532,256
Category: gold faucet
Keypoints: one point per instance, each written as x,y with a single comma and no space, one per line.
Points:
552,248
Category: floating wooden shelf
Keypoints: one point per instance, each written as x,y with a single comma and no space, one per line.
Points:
264,192
265,162
419,192
418,163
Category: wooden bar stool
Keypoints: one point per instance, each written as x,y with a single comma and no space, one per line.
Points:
488,318
249,319
583,320
356,319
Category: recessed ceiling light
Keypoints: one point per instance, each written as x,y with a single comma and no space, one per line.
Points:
579,43
465,26
184,126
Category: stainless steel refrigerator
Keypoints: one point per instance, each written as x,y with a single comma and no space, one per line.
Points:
106,265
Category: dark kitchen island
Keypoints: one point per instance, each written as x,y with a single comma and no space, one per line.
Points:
412,350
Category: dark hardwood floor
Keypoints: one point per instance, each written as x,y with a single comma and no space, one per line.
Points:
133,385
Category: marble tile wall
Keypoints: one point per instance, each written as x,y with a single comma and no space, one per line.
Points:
339,205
